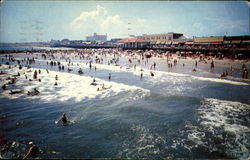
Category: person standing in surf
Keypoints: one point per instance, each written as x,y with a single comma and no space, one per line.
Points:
109,76
212,66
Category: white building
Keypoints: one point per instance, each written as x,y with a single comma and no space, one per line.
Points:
96,37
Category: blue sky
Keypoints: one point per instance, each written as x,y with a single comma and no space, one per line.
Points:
26,21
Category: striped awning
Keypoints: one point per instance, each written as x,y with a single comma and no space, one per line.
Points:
216,43
158,42
189,43
87,42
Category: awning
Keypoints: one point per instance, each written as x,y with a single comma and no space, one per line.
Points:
216,43
175,43
204,43
87,42
163,42
189,43
211,53
152,42
101,42
245,41
235,41
181,42
168,42
158,42
226,42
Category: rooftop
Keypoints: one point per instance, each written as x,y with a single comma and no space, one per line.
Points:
127,40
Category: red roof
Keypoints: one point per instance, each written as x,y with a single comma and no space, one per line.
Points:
127,40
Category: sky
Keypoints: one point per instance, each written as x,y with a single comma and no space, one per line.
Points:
37,20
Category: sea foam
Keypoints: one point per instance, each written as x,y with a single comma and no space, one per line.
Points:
70,86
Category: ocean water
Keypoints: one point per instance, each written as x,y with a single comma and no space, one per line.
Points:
17,47
175,114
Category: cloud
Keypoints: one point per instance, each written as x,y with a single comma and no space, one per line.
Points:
101,22
87,18
114,25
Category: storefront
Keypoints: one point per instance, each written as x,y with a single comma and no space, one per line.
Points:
133,43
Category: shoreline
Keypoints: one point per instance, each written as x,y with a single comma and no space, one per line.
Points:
221,65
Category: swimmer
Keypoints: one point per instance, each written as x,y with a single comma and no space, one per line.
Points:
103,87
93,83
16,91
69,70
13,80
80,71
33,151
152,74
4,87
64,119
29,93
32,93
223,74
36,91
